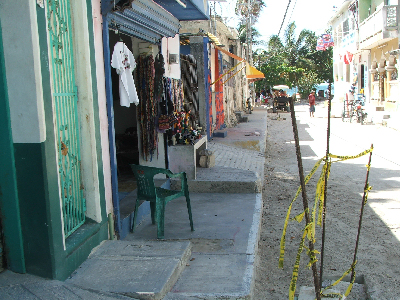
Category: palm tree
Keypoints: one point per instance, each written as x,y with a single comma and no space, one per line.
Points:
295,53
255,34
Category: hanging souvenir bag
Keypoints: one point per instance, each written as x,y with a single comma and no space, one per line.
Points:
163,122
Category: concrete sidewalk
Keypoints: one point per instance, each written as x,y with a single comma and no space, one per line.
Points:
216,261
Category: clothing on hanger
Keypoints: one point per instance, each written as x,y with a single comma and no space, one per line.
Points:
124,63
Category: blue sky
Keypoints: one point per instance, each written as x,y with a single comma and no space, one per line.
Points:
307,14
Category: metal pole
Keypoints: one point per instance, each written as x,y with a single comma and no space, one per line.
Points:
326,184
304,194
366,186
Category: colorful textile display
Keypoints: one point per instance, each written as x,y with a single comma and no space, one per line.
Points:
190,86
158,77
148,108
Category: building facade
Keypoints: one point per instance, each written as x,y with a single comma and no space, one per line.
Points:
366,53
53,210
227,75
59,176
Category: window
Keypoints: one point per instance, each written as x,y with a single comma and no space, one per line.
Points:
346,27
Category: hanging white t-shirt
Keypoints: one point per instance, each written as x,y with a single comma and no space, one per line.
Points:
124,63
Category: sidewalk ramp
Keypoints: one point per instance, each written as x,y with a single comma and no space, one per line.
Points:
137,269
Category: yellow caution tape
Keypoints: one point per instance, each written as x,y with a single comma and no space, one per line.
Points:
295,274
341,158
350,285
352,267
366,191
313,257
332,295
299,217
283,238
322,195
309,229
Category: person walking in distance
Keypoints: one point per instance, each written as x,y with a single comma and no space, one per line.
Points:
311,101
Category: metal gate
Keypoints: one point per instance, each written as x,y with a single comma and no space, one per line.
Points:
65,112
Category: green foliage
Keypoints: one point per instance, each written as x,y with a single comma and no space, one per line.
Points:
294,61
255,34
244,9
307,83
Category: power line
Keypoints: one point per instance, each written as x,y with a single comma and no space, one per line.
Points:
290,19
284,17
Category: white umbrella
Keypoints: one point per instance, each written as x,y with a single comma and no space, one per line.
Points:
281,87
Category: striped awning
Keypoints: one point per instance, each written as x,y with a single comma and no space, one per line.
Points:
146,20
214,39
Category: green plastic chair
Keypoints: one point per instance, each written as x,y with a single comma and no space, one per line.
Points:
158,197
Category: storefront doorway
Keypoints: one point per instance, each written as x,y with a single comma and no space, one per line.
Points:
125,127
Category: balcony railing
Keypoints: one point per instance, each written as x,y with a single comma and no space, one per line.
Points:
383,20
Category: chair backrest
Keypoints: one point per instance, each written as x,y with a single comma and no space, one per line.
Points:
145,182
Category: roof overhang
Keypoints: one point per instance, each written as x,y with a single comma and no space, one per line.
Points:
144,19
186,10
340,11
183,10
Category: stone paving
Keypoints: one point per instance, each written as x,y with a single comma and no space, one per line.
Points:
238,158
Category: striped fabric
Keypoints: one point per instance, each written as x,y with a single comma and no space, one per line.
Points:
190,84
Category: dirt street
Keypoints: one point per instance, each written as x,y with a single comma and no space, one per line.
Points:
378,252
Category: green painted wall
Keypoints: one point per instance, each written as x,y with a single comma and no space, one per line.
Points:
9,204
36,185
33,208
363,7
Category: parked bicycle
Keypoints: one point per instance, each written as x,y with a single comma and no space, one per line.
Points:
353,111
248,103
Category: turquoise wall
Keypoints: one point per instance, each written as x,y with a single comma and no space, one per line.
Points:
12,247
29,185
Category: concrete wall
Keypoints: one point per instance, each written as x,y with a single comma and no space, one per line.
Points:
84,82
24,82
100,85
171,46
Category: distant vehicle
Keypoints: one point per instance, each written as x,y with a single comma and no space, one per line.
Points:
281,99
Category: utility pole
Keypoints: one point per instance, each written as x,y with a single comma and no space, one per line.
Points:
249,41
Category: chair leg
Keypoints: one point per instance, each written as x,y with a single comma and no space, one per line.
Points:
135,215
152,212
189,210
160,215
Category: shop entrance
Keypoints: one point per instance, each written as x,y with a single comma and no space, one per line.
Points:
125,127
132,126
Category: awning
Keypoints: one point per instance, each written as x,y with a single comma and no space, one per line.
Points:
230,54
214,39
186,10
180,9
253,74
146,20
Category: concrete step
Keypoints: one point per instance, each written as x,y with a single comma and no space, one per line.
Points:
358,291
308,293
138,269
244,119
220,133
223,180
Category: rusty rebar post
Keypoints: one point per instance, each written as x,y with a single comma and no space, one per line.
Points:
328,134
304,194
366,187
